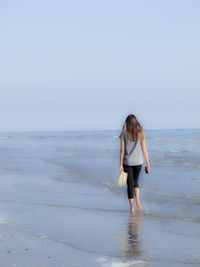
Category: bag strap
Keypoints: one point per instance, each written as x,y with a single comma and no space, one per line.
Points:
132,149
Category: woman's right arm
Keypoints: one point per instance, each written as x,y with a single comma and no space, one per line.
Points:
144,150
121,152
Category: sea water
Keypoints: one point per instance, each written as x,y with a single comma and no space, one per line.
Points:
79,170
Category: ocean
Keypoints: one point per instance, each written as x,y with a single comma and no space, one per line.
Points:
60,204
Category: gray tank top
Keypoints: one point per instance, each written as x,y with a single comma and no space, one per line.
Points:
132,151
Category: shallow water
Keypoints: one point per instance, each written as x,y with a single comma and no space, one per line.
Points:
61,188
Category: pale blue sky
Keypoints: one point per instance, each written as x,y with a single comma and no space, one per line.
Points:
84,65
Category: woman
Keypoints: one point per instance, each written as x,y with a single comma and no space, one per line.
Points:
132,146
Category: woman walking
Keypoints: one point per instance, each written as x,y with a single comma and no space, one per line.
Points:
131,160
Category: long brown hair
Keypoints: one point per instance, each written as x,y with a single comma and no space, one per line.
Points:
133,127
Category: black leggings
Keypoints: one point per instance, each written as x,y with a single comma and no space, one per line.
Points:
132,179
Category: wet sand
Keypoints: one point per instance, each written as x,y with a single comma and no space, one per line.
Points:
57,210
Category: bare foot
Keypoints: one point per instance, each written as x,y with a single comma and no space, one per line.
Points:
139,207
132,210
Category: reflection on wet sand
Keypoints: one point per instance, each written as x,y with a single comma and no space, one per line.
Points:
134,245
131,243
133,249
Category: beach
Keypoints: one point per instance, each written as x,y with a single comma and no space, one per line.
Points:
60,204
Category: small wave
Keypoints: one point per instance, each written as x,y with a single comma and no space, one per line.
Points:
2,220
144,213
167,156
173,161
156,165
178,151
42,236
176,140
196,165
172,194
189,164
123,263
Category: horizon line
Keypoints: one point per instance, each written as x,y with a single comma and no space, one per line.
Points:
20,131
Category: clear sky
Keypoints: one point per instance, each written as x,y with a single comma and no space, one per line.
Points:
86,65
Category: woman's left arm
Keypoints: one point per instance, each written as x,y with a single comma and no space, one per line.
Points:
144,150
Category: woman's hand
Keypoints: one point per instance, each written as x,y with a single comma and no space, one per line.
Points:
121,168
148,168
